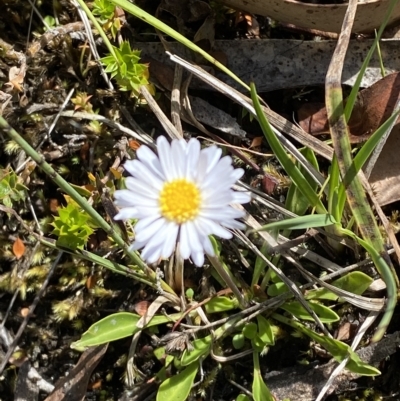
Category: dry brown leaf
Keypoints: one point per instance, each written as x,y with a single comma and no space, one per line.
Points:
16,77
74,386
256,142
327,17
385,177
374,106
18,248
344,332
141,307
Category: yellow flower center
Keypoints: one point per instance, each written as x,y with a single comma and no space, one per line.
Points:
180,201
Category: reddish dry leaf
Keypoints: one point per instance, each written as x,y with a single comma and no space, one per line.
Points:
18,248
84,151
269,184
134,145
256,142
24,312
141,307
373,106
54,204
96,385
91,282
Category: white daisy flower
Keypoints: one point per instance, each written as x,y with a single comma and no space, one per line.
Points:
183,195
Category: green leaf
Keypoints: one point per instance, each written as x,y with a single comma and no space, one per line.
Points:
250,330
301,222
111,328
296,202
82,191
260,390
265,331
326,314
286,162
259,265
149,19
242,397
355,282
71,227
276,289
114,327
201,346
221,304
238,341
177,387
257,344
337,349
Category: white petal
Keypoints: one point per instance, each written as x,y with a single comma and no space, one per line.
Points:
214,155
127,213
144,211
234,224
217,199
192,158
136,245
193,236
151,253
221,214
129,166
184,242
140,200
143,173
150,231
198,258
138,186
145,222
189,240
222,170
237,174
208,159
207,245
170,242
150,159
165,156
241,197
210,227
178,154
124,198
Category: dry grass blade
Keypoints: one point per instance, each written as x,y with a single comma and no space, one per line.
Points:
142,137
275,119
355,193
74,386
290,284
155,108
371,304
360,334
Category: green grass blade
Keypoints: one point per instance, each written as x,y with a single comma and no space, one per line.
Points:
300,223
353,95
366,150
356,196
291,169
388,275
156,23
